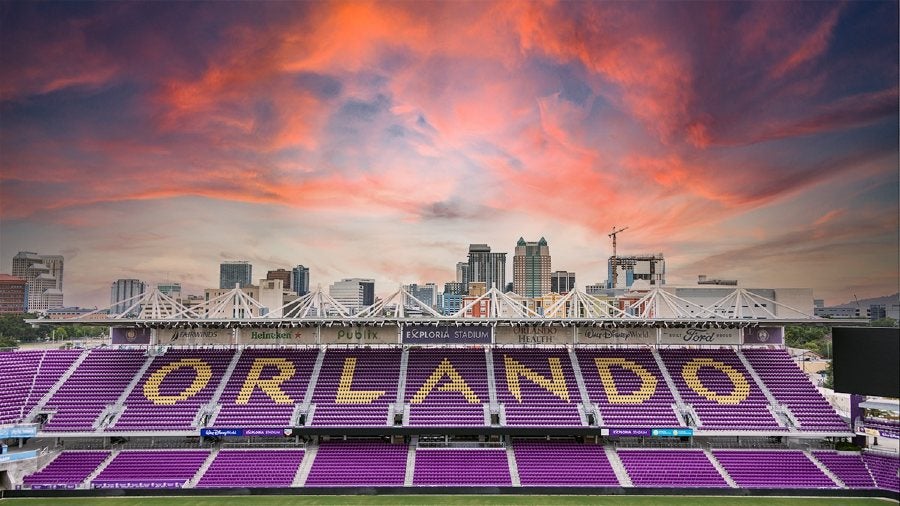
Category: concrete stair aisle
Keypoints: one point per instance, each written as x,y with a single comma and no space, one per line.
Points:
55,388
684,410
309,456
91,477
212,408
492,381
313,378
722,471
587,405
782,414
411,461
837,481
401,382
202,470
618,467
513,466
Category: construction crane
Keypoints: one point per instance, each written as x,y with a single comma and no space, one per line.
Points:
613,263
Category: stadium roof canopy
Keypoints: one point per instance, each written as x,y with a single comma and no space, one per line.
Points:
656,308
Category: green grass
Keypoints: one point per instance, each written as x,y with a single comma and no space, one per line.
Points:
490,500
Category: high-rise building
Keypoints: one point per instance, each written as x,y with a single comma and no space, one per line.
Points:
43,276
353,293
237,272
462,273
12,294
427,293
531,268
300,280
631,268
121,291
562,282
454,288
284,275
595,289
171,289
486,267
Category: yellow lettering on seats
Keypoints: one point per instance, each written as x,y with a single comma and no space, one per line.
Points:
271,386
648,380
557,385
741,386
347,396
151,387
457,384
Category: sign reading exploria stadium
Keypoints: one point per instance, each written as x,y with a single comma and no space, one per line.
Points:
447,334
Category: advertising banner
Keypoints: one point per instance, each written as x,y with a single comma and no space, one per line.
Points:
711,337
18,431
194,336
764,335
533,335
628,432
359,335
130,335
672,432
221,432
447,334
280,336
12,457
618,335
139,484
269,432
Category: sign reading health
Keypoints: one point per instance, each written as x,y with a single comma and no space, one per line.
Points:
447,334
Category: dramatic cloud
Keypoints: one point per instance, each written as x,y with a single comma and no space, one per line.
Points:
379,139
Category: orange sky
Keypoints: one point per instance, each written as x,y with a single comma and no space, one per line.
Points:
756,141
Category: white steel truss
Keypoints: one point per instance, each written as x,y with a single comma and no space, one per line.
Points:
657,305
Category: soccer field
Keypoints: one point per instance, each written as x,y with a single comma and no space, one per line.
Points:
489,500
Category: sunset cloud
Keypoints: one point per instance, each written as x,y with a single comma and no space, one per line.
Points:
709,128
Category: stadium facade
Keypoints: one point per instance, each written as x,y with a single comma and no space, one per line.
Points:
658,390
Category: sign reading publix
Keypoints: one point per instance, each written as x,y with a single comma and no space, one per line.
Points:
618,335
532,335
711,337
359,335
447,334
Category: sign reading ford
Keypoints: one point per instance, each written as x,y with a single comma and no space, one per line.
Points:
359,335
533,335
712,337
447,334
288,335
618,335
192,336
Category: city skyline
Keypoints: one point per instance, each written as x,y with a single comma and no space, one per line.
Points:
748,141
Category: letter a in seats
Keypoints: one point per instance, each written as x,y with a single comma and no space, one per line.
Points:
556,386
271,386
347,396
456,384
644,392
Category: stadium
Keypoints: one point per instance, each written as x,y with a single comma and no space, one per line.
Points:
660,396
